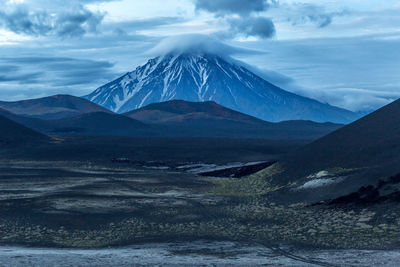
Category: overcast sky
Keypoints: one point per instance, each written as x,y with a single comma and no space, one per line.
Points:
344,52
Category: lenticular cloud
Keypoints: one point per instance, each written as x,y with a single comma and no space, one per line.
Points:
197,43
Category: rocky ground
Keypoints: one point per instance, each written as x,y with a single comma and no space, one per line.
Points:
84,206
197,253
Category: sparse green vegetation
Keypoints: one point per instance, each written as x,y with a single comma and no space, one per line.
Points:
253,185
97,207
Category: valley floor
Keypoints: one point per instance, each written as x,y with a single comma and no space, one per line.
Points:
61,204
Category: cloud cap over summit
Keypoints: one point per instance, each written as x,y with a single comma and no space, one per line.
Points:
197,43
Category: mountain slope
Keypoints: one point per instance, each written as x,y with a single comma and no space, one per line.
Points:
100,123
93,123
356,155
183,118
372,140
199,77
53,107
12,133
178,111
32,123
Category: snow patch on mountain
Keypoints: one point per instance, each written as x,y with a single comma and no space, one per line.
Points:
204,76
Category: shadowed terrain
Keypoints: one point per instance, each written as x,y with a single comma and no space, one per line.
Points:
14,134
172,119
359,154
185,118
52,107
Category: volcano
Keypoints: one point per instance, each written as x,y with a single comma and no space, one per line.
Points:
200,77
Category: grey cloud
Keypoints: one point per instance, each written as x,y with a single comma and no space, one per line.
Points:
21,21
252,26
358,73
79,65
74,66
223,7
86,1
131,26
54,5
55,71
245,23
147,23
301,13
27,78
75,22
8,68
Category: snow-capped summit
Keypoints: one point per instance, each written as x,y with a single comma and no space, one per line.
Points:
198,76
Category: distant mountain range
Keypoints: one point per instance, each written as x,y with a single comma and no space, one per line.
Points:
209,118
199,77
173,118
52,107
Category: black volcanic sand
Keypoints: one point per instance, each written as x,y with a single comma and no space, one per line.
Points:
70,194
170,151
86,206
